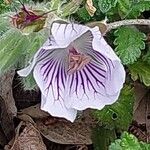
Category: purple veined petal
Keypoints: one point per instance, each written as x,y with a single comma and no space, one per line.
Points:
86,89
49,45
93,44
57,108
26,71
64,34
76,70
97,84
117,77
51,65
50,75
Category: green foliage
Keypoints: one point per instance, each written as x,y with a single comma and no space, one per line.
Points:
16,47
102,137
106,5
129,42
123,8
140,70
3,6
69,8
146,57
119,114
128,142
29,83
137,8
83,14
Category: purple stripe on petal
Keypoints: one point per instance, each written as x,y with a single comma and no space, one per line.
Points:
72,79
98,72
82,81
76,89
96,78
88,80
94,66
57,79
46,64
106,61
49,70
63,76
42,51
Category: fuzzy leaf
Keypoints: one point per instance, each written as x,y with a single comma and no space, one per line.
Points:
106,5
36,41
13,56
129,44
118,115
29,83
128,142
83,14
140,70
123,7
137,8
17,48
55,4
70,8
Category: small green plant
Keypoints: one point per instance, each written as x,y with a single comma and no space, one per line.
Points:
128,142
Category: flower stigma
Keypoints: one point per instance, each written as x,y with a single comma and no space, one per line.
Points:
77,61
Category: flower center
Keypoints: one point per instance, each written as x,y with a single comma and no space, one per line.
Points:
77,61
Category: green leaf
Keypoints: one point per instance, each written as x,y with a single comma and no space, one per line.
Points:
4,24
102,137
29,83
17,48
118,115
83,15
11,52
140,70
70,8
55,4
128,142
137,8
106,5
123,7
3,6
129,42
146,57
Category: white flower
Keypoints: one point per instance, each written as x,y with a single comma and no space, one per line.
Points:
76,69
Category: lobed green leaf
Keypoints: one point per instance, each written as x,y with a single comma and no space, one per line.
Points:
106,5
129,42
137,8
140,70
128,142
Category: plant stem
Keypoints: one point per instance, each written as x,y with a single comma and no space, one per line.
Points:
117,24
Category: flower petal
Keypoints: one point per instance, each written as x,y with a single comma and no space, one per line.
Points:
117,76
104,56
50,45
64,34
57,108
97,84
50,75
99,44
87,89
